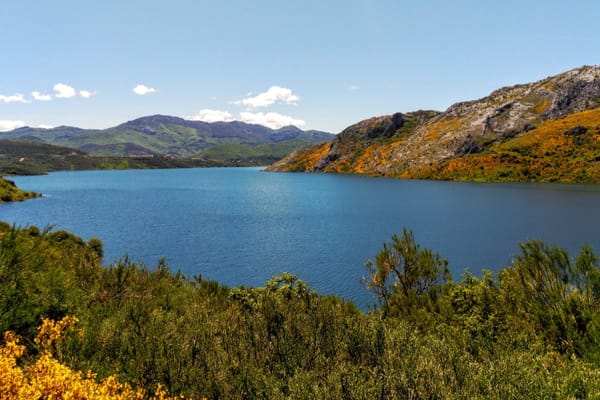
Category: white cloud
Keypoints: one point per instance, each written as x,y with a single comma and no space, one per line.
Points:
354,88
271,120
63,91
143,89
86,94
15,98
208,115
270,97
41,96
44,126
10,125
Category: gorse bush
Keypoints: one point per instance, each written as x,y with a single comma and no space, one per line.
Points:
47,378
531,331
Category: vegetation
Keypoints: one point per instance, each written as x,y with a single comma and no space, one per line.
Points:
558,150
563,150
531,331
306,159
246,154
161,134
546,131
47,378
30,158
9,192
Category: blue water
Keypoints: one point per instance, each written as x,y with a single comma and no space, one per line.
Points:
241,226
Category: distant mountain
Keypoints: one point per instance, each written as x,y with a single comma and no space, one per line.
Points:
261,154
27,158
160,135
543,131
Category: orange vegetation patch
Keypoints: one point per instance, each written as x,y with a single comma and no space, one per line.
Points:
550,136
375,158
547,153
306,159
543,106
342,166
362,165
548,86
316,156
438,129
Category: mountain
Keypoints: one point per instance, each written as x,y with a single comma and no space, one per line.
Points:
160,134
543,131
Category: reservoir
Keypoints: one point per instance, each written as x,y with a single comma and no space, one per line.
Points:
241,226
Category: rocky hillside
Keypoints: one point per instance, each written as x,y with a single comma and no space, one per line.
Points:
543,131
161,134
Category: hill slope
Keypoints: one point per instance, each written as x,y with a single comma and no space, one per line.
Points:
543,131
159,134
261,154
31,158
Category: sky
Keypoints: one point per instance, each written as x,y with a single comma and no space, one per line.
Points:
315,64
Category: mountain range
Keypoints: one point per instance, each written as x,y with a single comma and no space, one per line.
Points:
548,130
167,135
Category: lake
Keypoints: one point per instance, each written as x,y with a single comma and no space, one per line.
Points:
241,226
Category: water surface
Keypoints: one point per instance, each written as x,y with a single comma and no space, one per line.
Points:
241,226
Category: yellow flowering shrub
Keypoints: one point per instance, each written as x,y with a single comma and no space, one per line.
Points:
51,331
47,378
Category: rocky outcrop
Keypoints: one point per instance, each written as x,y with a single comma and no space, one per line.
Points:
399,144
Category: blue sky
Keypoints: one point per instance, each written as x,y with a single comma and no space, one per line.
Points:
316,64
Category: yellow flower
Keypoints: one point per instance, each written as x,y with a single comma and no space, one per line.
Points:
49,379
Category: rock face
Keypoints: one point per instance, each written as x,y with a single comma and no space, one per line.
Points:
403,145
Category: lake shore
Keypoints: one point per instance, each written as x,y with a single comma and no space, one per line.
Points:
9,192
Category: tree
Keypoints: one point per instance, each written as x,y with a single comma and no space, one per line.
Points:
559,295
96,245
405,277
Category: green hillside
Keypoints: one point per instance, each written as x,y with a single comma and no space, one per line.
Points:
262,154
163,135
30,158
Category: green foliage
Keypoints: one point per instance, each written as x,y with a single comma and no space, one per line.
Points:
96,245
42,274
246,154
530,332
405,277
28,158
9,192
559,295
159,134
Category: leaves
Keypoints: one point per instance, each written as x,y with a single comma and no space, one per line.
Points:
404,276
529,332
